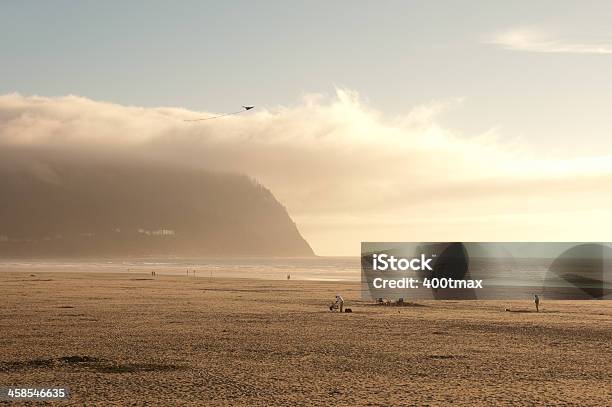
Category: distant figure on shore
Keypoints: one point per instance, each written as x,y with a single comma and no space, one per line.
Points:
288,276
536,299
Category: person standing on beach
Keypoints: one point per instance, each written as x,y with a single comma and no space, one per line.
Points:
536,299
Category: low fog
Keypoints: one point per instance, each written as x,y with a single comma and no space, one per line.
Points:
345,171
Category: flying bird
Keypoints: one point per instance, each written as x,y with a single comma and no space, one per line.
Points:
221,115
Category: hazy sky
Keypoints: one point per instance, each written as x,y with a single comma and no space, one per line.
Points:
529,81
215,56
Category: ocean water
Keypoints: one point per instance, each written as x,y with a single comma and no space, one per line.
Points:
498,274
317,268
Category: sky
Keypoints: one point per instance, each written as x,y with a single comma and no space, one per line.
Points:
374,120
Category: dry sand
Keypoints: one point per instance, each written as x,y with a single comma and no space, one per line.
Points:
130,339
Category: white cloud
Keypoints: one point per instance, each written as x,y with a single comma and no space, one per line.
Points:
344,171
531,39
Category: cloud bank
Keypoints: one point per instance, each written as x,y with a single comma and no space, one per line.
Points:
345,172
537,40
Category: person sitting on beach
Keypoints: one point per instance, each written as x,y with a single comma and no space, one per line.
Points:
339,302
536,299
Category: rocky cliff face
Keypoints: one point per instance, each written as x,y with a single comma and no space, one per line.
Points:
51,206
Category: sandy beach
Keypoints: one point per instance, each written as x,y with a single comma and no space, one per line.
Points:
134,339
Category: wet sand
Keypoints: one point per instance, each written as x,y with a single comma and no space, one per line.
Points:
130,338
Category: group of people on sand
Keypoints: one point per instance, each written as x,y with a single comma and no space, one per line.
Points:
338,303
